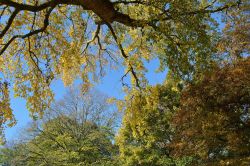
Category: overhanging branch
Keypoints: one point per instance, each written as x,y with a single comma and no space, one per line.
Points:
31,33
131,68
11,19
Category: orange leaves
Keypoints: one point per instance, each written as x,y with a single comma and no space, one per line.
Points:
210,117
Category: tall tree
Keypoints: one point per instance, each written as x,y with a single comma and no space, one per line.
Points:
213,123
42,40
79,131
146,134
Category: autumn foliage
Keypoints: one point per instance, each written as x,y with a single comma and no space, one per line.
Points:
200,115
213,123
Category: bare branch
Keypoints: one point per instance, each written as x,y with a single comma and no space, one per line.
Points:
32,54
131,68
3,10
93,39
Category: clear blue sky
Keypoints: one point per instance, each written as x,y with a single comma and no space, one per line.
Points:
110,85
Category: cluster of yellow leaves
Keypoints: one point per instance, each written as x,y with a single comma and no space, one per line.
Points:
71,63
33,67
143,137
5,109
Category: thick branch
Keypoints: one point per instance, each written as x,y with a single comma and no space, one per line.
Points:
105,10
129,2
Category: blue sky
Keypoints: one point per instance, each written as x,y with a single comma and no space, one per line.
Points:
110,85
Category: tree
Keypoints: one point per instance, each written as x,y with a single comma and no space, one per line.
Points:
146,134
76,132
234,42
46,40
14,154
213,123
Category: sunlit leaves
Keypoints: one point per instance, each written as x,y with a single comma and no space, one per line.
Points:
68,40
146,133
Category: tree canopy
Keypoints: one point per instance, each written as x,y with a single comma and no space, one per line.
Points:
75,131
213,122
198,116
203,123
146,133
176,124
43,40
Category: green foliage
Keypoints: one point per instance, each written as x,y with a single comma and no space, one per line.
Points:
203,123
58,144
13,155
81,134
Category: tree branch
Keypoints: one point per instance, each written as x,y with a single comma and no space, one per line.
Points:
45,25
93,39
28,7
131,68
12,17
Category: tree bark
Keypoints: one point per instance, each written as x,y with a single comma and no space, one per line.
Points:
103,8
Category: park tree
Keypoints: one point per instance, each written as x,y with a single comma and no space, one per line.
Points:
146,133
43,40
79,131
213,122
